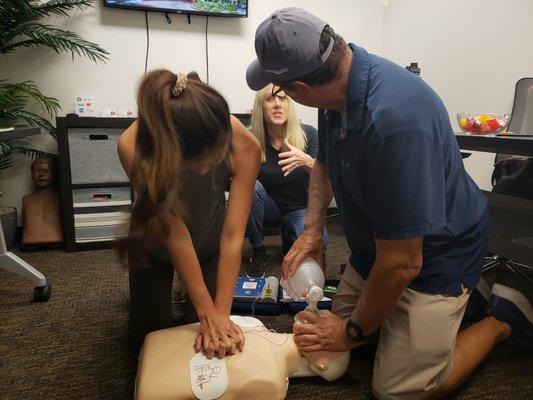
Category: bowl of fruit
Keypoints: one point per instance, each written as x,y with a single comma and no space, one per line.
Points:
483,124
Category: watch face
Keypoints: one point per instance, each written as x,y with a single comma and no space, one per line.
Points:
351,332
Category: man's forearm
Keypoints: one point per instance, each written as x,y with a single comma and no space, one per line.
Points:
380,295
320,195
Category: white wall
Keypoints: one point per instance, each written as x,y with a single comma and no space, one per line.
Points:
179,47
471,52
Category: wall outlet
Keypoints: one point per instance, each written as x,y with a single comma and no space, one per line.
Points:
109,112
126,113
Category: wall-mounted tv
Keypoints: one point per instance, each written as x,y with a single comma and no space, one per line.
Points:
217,8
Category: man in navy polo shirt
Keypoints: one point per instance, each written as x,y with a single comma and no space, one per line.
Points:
416,223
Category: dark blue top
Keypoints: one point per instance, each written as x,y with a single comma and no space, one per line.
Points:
397,173
289,192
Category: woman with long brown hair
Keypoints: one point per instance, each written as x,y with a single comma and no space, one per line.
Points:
182,153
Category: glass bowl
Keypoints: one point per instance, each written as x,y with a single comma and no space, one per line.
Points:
483,124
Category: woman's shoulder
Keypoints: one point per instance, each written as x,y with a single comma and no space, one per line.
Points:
243,143
129,136
309,131
126,145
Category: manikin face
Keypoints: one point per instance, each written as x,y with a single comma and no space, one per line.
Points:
42,173
203,164
276,109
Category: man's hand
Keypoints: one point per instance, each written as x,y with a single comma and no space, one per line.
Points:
294,158
309,244
219,335
321,331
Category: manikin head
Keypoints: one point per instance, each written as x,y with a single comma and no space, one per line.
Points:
42,173
300,53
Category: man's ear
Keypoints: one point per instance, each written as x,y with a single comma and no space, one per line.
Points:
301,86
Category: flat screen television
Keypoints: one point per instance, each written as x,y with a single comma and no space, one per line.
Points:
217,8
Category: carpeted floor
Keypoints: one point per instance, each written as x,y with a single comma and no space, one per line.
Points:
75,346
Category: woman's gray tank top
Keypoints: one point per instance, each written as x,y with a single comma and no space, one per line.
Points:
205,202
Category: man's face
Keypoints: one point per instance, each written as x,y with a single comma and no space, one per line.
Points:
42,173
307,96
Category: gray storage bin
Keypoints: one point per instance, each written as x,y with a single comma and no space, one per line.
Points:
93,156
101,214
100,234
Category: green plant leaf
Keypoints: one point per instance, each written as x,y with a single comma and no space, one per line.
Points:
37,35
32,119
13,94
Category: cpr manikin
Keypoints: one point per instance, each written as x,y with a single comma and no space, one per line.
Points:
260,371
169,368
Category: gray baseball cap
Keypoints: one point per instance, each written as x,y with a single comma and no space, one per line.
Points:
287,45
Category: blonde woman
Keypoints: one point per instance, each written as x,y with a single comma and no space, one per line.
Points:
288,151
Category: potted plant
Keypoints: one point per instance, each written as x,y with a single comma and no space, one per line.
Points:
23,24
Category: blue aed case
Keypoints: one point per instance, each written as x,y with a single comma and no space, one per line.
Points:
248,289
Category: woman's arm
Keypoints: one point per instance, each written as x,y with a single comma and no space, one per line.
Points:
185,261
126,147
245,160
217,334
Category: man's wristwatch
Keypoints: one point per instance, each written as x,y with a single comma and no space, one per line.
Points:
354,332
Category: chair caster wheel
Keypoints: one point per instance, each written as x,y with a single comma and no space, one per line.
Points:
42,293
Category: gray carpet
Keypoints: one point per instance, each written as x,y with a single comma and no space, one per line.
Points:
75,346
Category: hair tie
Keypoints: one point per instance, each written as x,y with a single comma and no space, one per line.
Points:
180,85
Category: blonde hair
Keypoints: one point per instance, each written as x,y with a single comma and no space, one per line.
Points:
293,129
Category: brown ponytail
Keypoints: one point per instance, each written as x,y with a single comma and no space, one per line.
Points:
179,119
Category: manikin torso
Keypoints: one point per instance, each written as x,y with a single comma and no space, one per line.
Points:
42,218
41,211
260,371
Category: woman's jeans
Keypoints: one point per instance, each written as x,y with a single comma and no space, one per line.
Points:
265,212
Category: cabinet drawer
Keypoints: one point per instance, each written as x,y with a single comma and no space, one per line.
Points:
101,214
94,157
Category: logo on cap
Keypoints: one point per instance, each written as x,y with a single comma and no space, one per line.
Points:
276,71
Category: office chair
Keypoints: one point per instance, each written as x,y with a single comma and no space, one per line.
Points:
510,205
521,123
12,263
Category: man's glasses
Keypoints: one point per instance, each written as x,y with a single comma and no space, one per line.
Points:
276,90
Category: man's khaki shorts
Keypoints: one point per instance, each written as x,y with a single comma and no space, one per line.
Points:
417,340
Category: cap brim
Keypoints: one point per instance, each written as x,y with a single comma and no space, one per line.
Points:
255,77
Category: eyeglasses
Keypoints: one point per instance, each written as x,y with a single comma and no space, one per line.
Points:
277,90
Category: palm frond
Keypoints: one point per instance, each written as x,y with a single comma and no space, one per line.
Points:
37,35
60,7
14,13
34,153
9,149
32,119
7,154
17,94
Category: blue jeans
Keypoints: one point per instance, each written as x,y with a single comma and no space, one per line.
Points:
265,212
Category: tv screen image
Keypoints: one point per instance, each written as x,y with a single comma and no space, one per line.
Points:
222,8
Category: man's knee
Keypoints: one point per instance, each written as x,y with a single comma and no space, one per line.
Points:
413,378
385,389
